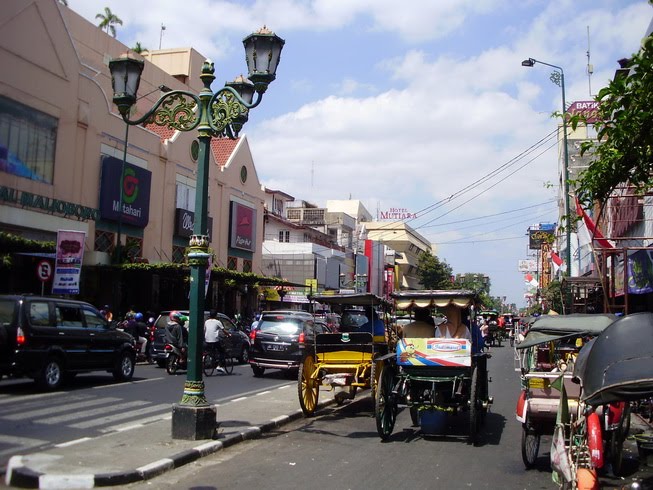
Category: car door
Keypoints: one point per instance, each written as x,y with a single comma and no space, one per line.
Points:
103,341
76,339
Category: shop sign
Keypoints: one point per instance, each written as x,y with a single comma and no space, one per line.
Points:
54,206
185,222
135,182
538,237
243,227
396,214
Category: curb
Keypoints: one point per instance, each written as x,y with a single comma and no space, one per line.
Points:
19,475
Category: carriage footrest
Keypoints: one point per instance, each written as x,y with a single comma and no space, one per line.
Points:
338,379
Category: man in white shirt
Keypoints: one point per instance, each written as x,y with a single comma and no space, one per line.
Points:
213,329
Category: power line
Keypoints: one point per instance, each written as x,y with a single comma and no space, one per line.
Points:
490,215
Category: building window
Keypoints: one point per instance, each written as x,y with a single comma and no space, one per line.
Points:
104,241
247,265
232,263
27,141
178,254
284,236
134,247
185,195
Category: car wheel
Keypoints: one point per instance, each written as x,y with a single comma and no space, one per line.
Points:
244,355
258,371
52,374
124,370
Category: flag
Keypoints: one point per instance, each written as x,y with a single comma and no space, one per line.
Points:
591,228
531,280
557,261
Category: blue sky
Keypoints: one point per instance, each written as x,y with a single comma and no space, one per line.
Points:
405,104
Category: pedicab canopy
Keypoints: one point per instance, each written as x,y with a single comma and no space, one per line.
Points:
350,299
463,298
548,328
619,364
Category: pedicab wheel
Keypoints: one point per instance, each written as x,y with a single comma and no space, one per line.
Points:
474,408
617,439
308,387
414,416
385,408
530,446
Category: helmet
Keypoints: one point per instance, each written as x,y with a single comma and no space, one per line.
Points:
138,316
129,315
175,316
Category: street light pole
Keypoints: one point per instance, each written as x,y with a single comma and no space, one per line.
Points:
219,114
558,77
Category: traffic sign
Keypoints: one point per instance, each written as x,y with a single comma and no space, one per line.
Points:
44,271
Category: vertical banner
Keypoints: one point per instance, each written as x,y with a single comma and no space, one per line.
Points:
207,275
68,266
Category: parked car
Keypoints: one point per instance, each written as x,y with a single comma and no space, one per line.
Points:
51,339
275,341
237,343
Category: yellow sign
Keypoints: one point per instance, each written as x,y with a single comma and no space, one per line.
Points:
311,286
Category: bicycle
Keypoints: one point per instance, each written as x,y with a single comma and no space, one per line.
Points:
210,362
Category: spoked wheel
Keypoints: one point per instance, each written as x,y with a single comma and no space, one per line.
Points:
385,407
308,387
474,408
208,365
228,364
414,416
530,446
617,439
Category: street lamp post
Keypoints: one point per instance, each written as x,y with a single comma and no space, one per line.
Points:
219,114
558,77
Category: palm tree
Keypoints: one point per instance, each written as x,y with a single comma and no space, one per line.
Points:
108,21
138,48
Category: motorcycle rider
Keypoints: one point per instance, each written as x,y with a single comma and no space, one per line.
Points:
176,332
140,331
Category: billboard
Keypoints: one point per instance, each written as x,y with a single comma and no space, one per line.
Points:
135,182
243,227
527,265
537,237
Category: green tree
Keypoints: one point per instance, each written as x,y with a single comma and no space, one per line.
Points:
138,48
108,21
552,295
434,273
623,150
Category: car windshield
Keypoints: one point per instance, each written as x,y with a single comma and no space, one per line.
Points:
282,325
353,318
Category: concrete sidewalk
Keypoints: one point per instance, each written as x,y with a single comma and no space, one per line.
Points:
142,452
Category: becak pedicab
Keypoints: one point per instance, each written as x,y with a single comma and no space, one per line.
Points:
616,368
546,354
434,377
347,360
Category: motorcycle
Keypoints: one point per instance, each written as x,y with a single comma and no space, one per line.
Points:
175,359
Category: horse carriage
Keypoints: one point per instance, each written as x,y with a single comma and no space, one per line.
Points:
349,359
434,377
612,371
547,354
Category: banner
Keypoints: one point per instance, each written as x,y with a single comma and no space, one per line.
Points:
68,266
640,272
527,265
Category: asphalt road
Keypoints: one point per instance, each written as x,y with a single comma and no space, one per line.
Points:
340,449
93,404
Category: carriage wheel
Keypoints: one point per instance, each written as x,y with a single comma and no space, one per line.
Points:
308,388
474,408
617,439
414,416
385,406
530,446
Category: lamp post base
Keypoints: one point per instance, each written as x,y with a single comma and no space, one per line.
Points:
193,423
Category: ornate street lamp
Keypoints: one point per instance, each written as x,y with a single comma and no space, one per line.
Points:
558,77
214,115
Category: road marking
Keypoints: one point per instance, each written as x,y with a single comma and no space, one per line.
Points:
263,393
92,413
120,416
239,399
73,442
70,406
113,385
16,444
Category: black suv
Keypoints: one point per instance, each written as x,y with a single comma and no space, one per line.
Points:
275,340
237,343
50,339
